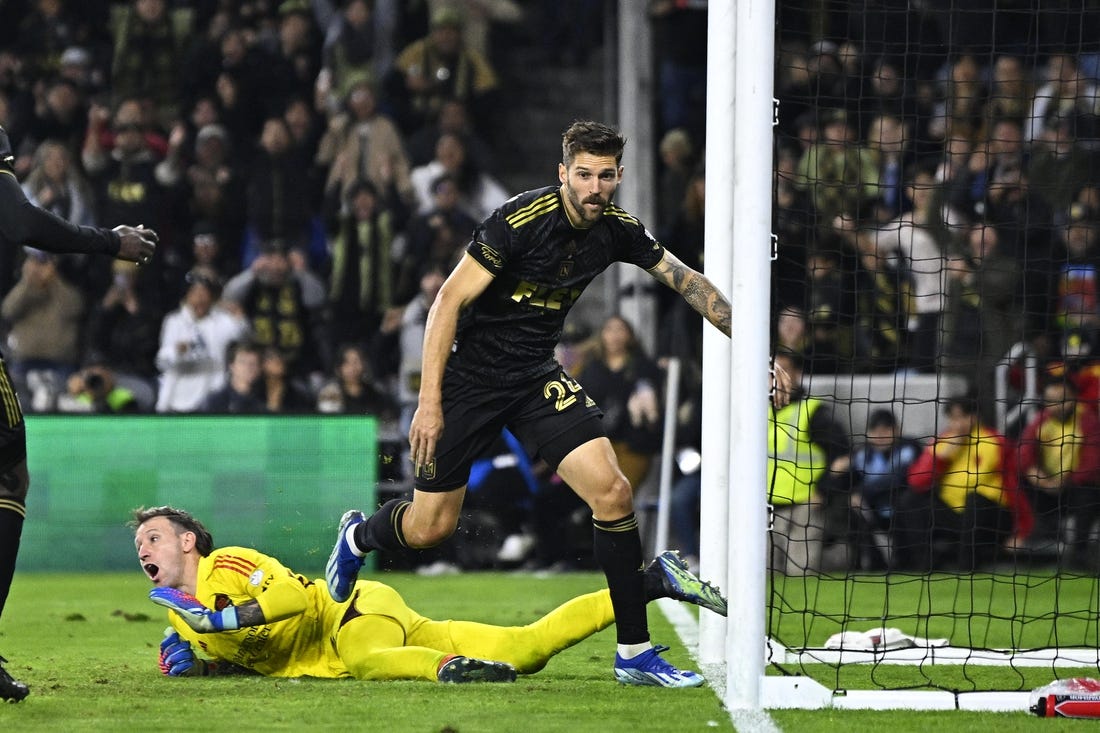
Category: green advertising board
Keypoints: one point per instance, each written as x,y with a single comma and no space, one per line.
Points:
278,484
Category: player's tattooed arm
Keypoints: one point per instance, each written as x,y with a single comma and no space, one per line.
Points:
696,289
250,614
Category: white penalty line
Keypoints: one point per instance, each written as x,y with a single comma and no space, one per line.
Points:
686,626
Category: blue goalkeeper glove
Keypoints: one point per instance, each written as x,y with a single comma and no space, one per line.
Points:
194,614
176,657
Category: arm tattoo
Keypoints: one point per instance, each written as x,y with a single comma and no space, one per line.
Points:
250,614
697,290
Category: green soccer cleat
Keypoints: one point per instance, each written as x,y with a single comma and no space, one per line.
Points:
11,689
465,669
680,583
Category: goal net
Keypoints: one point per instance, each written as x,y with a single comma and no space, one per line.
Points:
935,489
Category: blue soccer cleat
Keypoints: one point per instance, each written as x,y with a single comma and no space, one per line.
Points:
680,583
343,565
465,669
649,669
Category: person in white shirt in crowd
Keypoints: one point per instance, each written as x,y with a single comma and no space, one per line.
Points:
193,344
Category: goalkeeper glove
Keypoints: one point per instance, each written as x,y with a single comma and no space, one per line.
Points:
176,657
194,614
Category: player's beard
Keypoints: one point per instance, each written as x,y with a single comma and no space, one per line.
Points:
588,218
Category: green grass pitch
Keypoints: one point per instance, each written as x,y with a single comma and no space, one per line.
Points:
87,645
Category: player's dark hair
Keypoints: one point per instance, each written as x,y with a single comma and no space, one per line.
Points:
882,419
966,404
204,542
591,137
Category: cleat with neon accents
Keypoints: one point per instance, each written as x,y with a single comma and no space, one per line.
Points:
343,565
11,689
465,669
649,669
680,583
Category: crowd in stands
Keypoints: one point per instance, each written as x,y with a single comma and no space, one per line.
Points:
311,167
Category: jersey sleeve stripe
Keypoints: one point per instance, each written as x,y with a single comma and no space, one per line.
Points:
234,563
544,203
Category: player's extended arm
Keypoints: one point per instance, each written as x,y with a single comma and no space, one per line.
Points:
465,283
283,598
177,659
696,289
701,294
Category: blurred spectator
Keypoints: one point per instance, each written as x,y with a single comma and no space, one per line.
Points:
888,138
681,39
627,385
284,306
295,59
878,473
479,193
439,67
437,236
1064,95
411,340
1010,91
1060,464
839,174
962,101
678,167
963,487
59,115
352,389
193,344
478,17
364,280
1059,166
150,41
911,240
357,47
1076,287
803,440
94,390
240,394
792,331
278,195
883,294
454,118
47,28
817,86
982,318
831,313
123,178
124,333
57,185
77,66
44,315
279,391
363,144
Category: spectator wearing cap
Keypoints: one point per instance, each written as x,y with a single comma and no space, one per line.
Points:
194,340
43,314
76,65
361,143
438,67
284,307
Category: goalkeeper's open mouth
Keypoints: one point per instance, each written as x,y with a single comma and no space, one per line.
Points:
151,570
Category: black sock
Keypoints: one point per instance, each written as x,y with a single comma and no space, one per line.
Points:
11,529
382,531
618,549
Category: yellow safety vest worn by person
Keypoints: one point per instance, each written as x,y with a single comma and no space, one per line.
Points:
372,635
795,462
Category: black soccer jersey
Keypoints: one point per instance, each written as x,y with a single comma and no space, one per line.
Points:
541,264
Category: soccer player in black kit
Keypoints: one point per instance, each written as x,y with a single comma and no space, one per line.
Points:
488,363
23,223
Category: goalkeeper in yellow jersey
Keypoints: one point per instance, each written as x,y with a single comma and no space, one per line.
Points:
243,611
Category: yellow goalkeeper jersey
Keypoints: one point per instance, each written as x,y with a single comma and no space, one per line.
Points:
301,644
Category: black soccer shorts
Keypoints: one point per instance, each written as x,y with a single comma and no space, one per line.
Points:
550,416
13,433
